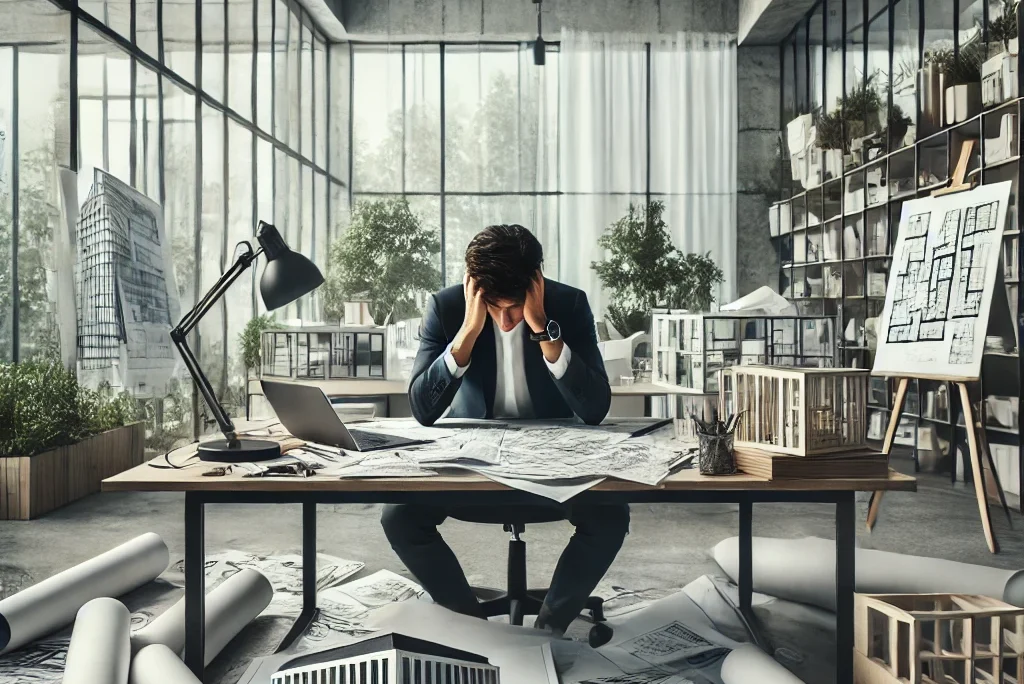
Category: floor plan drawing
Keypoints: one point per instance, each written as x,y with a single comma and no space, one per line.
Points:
944,268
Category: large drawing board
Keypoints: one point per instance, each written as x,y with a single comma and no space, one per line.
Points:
944,270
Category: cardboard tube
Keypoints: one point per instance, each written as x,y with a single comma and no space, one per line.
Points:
231,605
100,652
749,664
50,605
157,664
804,570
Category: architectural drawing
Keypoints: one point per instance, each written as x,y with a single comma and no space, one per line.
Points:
38,663
381,588
945,265
128,300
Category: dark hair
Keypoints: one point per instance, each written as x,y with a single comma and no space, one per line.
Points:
503,260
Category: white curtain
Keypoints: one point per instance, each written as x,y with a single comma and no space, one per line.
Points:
603,145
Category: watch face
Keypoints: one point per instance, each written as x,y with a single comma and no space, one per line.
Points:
554,332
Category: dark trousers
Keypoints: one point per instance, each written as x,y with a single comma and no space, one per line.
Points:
412,531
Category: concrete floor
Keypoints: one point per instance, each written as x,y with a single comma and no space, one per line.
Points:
667,548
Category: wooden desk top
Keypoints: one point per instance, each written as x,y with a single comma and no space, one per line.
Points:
144,478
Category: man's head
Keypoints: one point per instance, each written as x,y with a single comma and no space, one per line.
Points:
503,260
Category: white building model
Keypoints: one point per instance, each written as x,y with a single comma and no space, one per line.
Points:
388,659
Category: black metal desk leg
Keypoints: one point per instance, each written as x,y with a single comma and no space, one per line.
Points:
846,540
746,555
308,557
309,609
195,585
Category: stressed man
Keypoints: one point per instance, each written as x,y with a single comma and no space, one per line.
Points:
508,343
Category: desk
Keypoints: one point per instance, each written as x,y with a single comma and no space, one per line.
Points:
686,486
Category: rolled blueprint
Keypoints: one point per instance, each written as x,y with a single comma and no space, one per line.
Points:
100,651
53,603
231,605
804,570
158,664
749,664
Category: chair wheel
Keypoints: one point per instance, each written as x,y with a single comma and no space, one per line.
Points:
600,634
515,612
597,611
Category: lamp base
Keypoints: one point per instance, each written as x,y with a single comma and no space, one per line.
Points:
245,451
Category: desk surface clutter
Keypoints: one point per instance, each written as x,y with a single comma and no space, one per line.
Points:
554,459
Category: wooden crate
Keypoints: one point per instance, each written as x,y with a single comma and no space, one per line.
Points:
937,639
31,486
797,411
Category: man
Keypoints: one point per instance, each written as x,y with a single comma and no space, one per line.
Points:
508,343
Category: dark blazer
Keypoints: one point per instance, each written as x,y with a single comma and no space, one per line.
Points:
583,390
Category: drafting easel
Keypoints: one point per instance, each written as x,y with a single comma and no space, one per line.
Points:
977,441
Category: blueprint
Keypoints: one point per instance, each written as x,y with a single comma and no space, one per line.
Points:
380,589
945,266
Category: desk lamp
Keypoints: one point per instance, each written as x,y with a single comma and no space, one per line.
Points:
287,276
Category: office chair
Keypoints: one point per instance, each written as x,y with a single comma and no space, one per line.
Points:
518,600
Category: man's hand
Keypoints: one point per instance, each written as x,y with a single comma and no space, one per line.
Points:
533,310
537,319
472,322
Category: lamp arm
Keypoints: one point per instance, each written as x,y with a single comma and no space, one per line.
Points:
179,335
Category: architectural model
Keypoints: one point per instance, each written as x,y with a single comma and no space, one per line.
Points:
388,658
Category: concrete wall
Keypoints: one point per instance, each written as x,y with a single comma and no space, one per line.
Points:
518,18
758,85
757,71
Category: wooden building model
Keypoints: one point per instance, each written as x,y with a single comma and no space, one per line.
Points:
796,411
937,639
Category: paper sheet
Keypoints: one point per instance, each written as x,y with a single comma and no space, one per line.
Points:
380,589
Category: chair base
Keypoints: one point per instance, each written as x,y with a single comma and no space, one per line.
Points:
528,603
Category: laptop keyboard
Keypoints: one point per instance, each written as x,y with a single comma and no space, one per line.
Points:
373,440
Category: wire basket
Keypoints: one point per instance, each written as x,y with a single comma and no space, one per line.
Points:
715,455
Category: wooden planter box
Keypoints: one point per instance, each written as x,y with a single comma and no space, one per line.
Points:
797,411
936,639
31,486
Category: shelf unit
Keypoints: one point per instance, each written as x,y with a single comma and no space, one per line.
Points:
835,239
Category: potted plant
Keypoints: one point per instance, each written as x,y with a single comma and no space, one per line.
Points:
645,270
831,141
998,76
59,440
387,256
960,80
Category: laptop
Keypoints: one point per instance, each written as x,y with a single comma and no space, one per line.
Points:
307,413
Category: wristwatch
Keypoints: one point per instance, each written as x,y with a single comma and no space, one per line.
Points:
551,333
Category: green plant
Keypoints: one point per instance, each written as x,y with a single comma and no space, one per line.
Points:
960,68
645,270
1004,27
251,339
897,125
829,127
855,117
42,406
387,256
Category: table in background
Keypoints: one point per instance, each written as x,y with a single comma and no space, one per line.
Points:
686,486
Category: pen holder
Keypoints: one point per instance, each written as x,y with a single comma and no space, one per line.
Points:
715,456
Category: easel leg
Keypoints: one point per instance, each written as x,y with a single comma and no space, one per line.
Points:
890,434
983,443
979,478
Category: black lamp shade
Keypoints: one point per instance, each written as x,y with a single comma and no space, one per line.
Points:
539,51
288,275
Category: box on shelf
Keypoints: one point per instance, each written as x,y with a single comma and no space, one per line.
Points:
949,638
1001,143
798,411
999,79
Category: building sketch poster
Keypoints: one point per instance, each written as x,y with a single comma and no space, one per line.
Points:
939,297
128,300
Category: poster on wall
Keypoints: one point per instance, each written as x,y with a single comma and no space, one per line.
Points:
128,299
938,302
